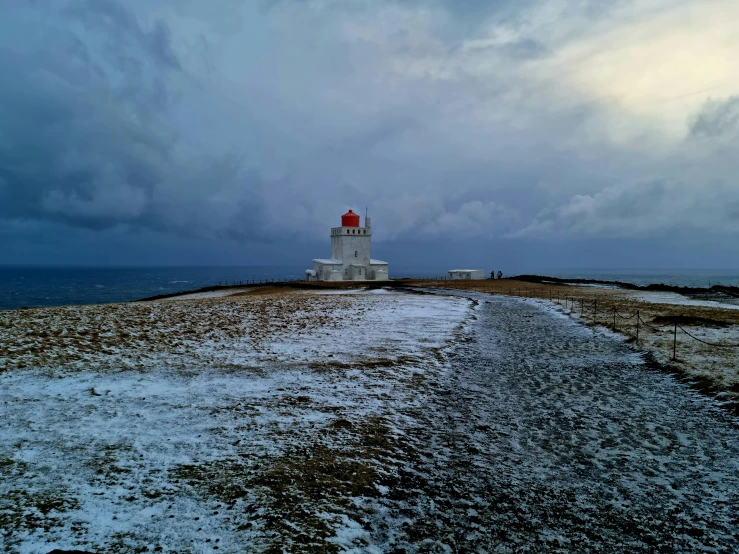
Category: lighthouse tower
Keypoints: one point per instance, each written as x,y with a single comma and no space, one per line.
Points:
350,254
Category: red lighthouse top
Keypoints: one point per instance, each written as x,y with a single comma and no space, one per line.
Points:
350,219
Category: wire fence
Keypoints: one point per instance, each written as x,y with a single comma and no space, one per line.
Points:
589,309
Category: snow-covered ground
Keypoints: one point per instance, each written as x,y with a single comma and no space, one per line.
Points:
594,285
196,442
208,294
359,422
676,299
706,348
548,436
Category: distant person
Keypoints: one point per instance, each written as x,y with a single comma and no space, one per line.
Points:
492,274
500,274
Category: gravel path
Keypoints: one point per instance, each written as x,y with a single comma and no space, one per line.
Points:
546,437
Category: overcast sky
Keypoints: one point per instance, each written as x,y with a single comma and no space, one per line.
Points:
505,133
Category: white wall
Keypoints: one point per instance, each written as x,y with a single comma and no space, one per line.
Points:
474,274
344,246
323,271
379,272
380,275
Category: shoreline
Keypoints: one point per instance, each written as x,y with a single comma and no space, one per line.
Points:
718,293
662,287
714,290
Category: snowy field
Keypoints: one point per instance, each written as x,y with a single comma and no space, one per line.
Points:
243,423
359,422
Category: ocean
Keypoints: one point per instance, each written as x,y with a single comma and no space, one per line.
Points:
55,286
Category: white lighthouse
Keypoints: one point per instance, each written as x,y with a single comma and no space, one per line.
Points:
350,254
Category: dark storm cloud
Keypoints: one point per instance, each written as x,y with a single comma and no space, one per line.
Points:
87,134
452,120
121,27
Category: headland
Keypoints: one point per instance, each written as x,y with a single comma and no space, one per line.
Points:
338,416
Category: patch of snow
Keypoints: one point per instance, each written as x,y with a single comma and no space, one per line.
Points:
593,285
209,294
677,300
328,292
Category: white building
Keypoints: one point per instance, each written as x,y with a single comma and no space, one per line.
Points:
466,274
350,255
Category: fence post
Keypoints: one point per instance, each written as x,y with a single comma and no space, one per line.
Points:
595,310
614,319
637,327
674,345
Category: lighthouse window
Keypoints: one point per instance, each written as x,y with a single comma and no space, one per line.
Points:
364,232
347,231
355,253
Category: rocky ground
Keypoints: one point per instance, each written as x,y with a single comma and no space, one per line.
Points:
387,423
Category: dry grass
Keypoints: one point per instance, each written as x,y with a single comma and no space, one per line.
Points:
294,488
135,335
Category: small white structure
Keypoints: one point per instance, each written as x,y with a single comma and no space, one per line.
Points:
466,274
350,255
